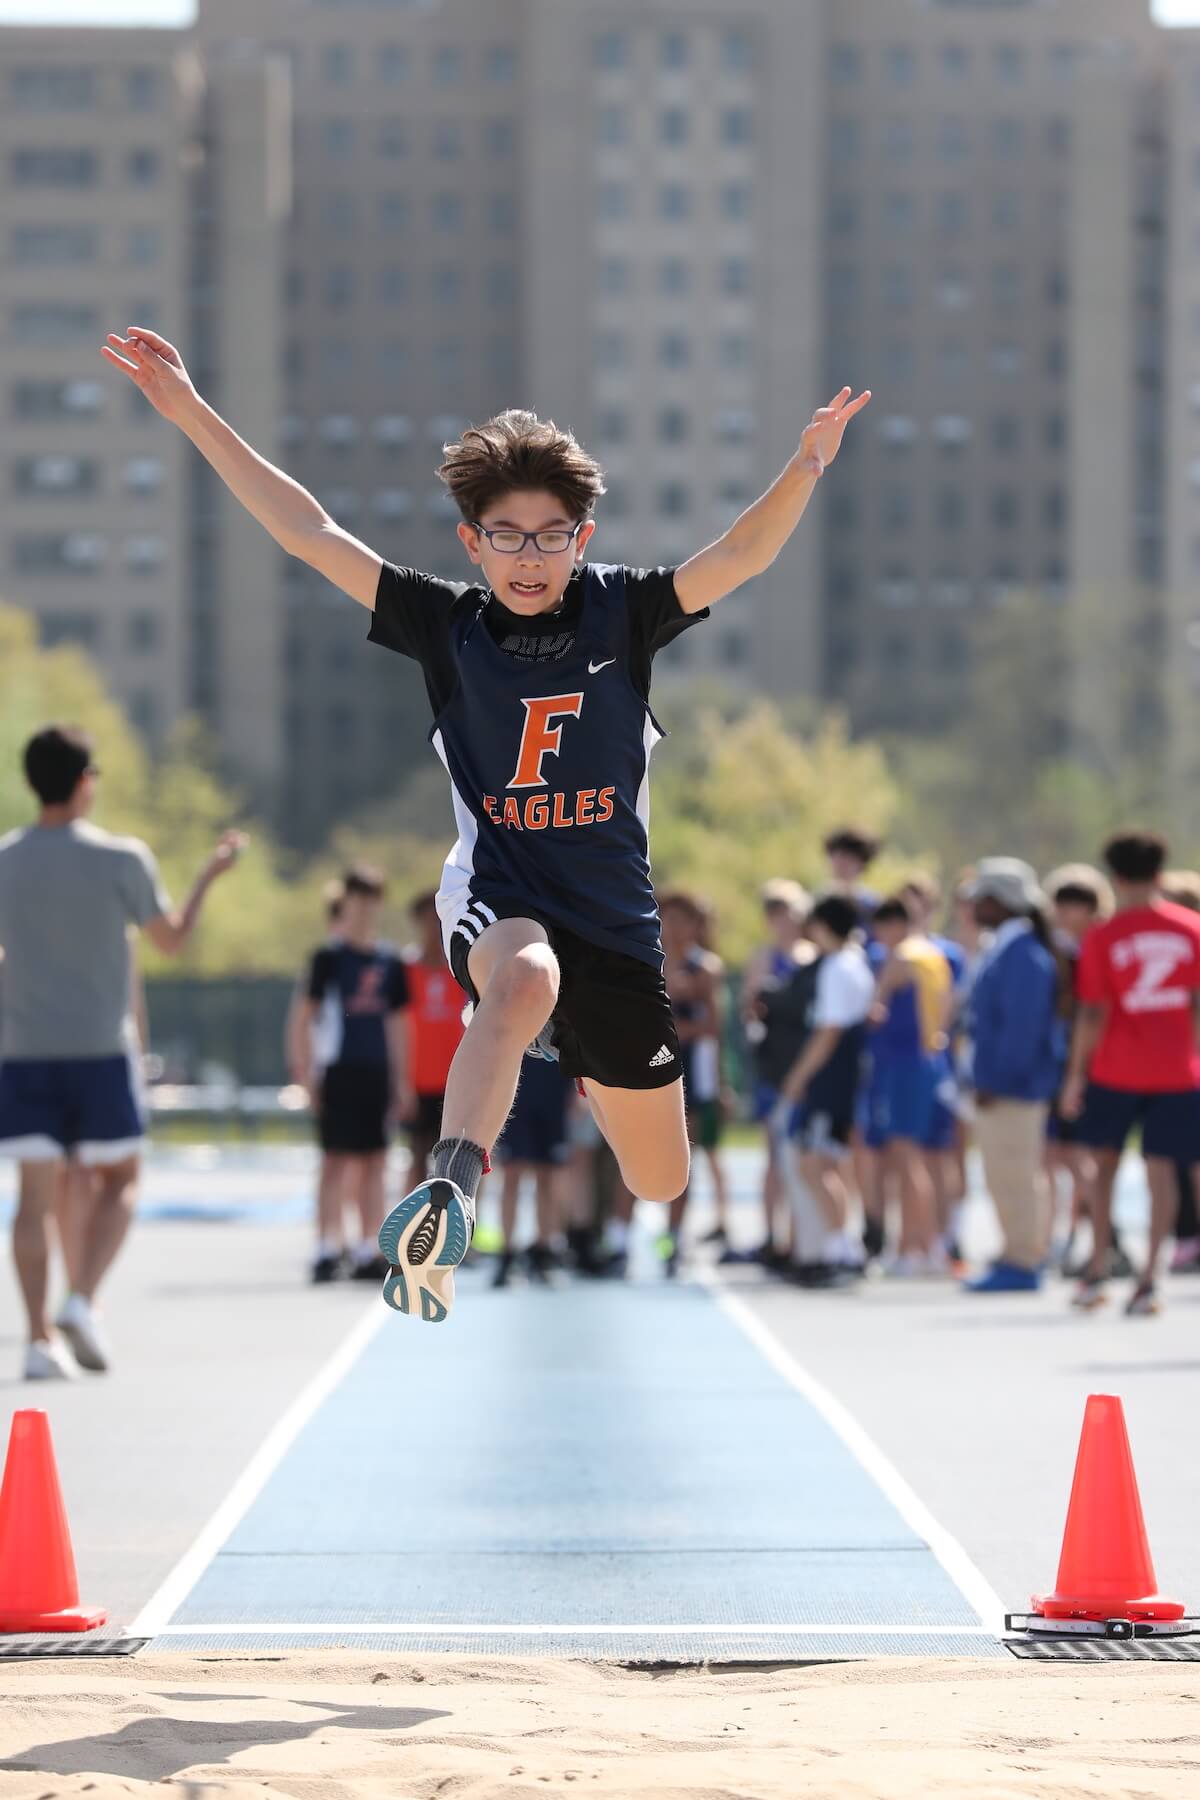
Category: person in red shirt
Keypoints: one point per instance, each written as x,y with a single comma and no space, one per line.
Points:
1135,1055
435,1030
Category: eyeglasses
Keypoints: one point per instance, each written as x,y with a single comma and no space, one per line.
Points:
511,543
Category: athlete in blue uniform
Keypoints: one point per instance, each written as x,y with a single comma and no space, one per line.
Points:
538,675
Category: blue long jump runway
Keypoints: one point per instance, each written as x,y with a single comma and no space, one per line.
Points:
600,1470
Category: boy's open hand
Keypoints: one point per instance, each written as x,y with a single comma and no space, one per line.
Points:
823,438
229,847
155,367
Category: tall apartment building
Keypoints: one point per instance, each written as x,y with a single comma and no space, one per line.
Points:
674,226
117,210
982,184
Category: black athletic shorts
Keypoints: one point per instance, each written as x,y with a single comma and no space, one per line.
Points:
613,1021
353,1108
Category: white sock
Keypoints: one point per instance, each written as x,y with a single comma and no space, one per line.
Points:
326,1247
365,1253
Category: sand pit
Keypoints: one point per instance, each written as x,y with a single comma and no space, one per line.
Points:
332,1725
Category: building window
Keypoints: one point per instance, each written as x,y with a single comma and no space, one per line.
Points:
897,509
674,350
953,140
845,137
952,430
1006,359
1054,509
57,399
82,628
392,285
501,214
339,285
499,284
76,553
610,50
143,246
338,430
392,140
392,62
500,62
52,246
1006,210
612,425
1008,138
499,137
674,202
613,350
674,500
845,65
735,425
1006,286
1005,509
1008,64
845,286
950,509
51,87
143,632
614,276
53,322
447,212
337,62
392,430
448,285
900,64
737,52
1054,432
673,50
448,65
899,359
143,474
393,357
673,125
735,200
674,425
614,201
956,61
55,474
1006,433
953,213
142,167
447,140
54,167
737,127
337,137
844,213
393,211
898,284
392,503
898,430
612,126
735,276
899,140
899,212
674,276
733,350
1058,137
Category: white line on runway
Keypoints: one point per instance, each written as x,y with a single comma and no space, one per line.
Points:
719,1628
169,1597
970,1581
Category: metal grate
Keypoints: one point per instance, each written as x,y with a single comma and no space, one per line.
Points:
1102,1649
84,1643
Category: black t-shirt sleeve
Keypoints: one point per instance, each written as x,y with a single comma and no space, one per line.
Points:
655,618
397,985
412,617
320,974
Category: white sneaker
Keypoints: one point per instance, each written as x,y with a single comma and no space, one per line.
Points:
79,1325
49,1360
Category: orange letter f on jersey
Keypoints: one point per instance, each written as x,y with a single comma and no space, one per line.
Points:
539,736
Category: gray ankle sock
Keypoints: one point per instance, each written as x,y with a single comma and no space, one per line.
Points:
460,1161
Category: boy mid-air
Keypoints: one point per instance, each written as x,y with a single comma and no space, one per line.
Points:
538,675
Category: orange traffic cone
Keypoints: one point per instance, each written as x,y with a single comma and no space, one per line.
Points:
39,1589
1105,1571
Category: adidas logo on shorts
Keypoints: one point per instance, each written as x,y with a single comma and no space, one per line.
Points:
661,1058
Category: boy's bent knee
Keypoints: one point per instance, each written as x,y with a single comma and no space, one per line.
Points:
528,983
662,1181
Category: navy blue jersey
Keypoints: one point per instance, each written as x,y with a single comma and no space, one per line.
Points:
548,763
356,989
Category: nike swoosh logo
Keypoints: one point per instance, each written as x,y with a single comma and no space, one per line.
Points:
595,668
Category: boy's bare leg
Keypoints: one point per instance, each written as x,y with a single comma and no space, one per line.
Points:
31,1241
548,1193
1099,1206
74,1198
648,1134
510,1191
370,1174
1164,1206
917,1217
516,974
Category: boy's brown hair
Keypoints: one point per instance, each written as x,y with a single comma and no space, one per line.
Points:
518,452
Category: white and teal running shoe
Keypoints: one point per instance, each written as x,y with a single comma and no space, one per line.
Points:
424,1239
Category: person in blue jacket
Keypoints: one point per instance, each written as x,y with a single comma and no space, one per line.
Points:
1018,1059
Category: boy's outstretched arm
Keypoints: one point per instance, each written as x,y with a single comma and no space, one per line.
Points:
297,522
755,539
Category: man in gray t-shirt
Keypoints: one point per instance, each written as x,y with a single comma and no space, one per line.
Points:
69,894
